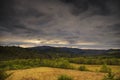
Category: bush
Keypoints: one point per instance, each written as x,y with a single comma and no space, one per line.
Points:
3,75
105,69
64,77
29,63
117,76
95,60
109,76
112,76
83,68
62,63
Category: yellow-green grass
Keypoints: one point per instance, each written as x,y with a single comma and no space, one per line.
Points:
114,68
46,73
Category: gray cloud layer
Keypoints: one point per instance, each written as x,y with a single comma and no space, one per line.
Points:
94,22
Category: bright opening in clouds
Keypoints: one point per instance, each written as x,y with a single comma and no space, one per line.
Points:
63,23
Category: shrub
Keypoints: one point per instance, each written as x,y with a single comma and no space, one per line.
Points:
105,69
65,77
61,63
83,68
29,63
109,76
112,76
117,76
3,75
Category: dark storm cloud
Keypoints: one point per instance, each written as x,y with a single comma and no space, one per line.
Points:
115,28
86,23
102,7
78,5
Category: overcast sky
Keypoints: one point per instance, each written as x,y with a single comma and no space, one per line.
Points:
93,24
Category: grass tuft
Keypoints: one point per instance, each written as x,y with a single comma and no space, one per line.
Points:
65,77
4,75
83,68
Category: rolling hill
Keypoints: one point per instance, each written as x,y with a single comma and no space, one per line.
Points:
13,52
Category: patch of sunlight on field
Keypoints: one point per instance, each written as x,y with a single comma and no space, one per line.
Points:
46,73
114,68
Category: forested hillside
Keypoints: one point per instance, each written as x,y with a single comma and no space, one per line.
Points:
7,53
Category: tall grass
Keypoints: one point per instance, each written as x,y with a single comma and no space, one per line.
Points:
4,75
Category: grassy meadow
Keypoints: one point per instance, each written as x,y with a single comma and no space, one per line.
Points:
96,68
47,73
50,73
45,69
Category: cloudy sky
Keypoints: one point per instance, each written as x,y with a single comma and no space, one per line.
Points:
93,24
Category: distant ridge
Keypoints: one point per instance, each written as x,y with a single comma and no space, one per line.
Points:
75,50
13,52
